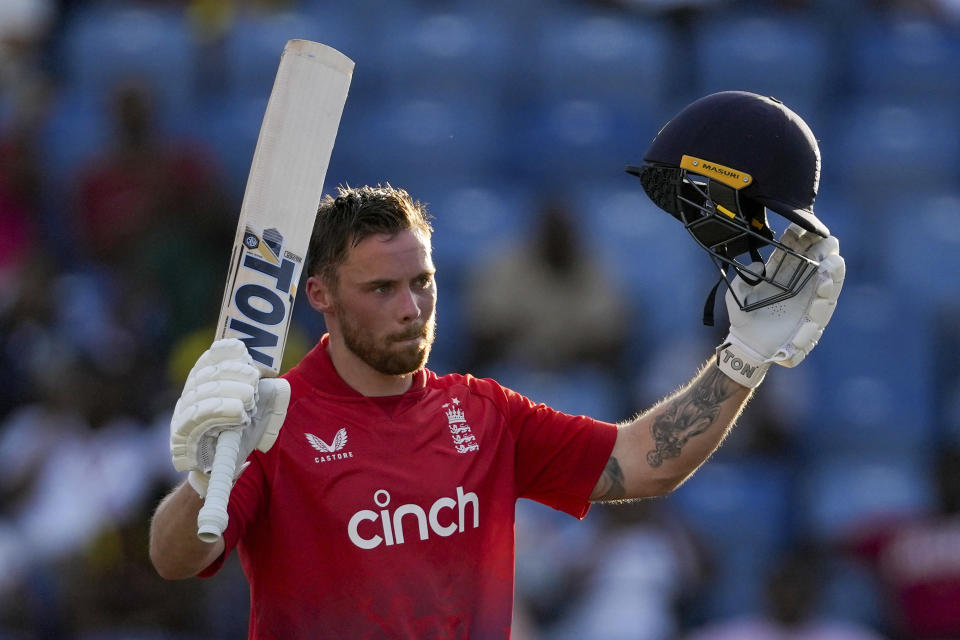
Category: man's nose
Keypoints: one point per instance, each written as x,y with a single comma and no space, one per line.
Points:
410,306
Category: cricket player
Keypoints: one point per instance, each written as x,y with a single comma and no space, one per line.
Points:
384,507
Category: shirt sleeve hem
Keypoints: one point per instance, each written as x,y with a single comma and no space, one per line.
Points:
577,501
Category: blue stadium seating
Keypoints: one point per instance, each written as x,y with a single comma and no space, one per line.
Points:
566,141
418,141
922,246
884,147
105,44
475,219
741,512
584,53
767,53
254,44
842,494
872,386
908,58
447,50
74,131
661,267
850,592
477,108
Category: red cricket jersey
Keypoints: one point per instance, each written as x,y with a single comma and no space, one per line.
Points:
394,517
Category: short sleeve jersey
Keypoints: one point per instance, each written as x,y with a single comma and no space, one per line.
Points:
393,517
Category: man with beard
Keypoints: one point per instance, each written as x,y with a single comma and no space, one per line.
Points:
384,508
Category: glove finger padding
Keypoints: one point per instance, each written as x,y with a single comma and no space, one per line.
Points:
193,430
243,392
784,332
223,365
224,391
219,393
221,351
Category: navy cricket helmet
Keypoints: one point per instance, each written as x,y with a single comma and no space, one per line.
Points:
718,166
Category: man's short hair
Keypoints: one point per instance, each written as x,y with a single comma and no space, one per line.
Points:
356,213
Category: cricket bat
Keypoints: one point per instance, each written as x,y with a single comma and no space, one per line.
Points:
280,202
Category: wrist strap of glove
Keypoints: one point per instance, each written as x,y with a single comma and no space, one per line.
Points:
741,363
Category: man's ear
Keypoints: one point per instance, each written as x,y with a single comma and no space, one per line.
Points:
318,294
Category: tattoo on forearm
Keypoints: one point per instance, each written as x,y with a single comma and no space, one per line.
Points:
611,481
689,414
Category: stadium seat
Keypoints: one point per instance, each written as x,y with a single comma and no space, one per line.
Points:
74,131
785,56
661,266
474,219
886,147
911,59
851,592
563,141
255,42
871,377
106,44
841,495
922,246
447,50
417,141
621,59
740,510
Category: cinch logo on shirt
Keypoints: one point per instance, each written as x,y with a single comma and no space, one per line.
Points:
445,517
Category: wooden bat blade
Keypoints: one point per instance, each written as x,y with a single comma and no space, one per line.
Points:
282,193
279,206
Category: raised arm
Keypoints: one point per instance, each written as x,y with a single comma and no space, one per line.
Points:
661,448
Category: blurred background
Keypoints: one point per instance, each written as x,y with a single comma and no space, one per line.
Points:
126,134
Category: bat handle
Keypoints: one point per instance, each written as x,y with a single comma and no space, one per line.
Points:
212,518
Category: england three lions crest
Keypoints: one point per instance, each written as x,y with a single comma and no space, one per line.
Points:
463,439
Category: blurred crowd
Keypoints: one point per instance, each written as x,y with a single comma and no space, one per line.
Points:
126,132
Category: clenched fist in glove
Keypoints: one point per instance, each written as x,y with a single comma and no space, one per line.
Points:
224,391
786,331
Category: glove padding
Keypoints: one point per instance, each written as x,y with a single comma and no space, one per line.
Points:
784,332
224,391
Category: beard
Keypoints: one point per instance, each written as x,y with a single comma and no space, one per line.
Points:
387,355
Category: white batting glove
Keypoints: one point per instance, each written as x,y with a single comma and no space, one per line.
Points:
784,332
224,391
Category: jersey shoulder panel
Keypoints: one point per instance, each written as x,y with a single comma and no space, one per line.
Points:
486,388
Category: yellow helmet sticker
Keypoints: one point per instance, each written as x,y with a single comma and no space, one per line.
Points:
726,175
